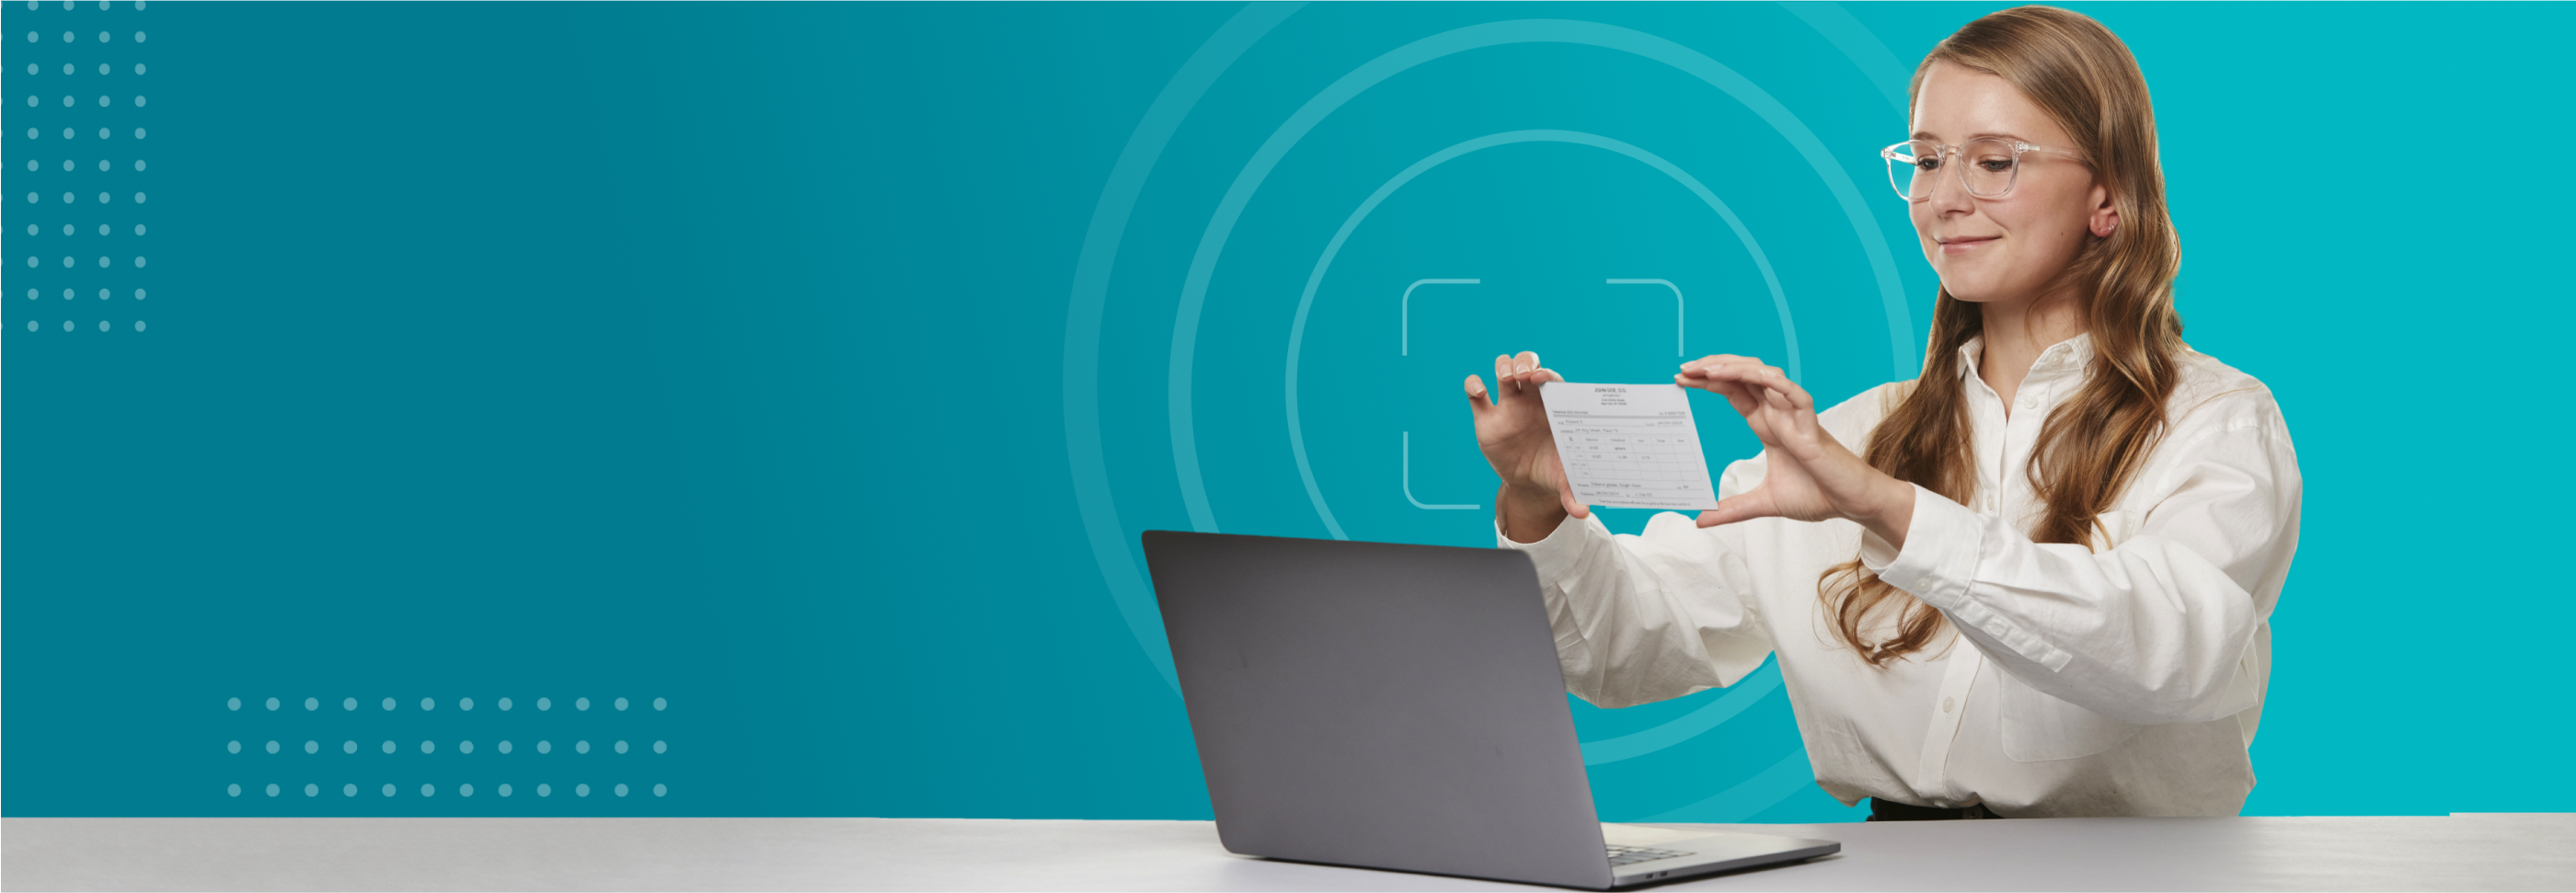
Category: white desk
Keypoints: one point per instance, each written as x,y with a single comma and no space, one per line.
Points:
2464,852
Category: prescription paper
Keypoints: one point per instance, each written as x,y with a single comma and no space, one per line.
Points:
1629,445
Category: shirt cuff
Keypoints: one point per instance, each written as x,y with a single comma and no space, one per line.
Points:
1942,543
1554,554
1875,553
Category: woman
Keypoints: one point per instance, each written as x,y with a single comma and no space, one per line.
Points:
2102,514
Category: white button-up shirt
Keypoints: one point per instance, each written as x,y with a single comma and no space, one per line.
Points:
2122,679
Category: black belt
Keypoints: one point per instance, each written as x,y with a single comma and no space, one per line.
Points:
1884,810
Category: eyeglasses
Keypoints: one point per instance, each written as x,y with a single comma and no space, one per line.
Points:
1987,167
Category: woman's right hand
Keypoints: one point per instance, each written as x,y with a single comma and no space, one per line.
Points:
1512,429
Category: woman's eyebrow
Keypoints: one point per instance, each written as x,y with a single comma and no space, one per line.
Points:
1927,135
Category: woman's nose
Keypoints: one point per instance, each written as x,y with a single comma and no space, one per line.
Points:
1948,194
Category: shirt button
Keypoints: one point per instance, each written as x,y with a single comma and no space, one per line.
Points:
2029,402
1949,704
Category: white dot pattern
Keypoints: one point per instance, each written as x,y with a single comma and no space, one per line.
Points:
103,99
461,788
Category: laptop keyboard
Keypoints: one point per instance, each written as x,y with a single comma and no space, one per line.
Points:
1631,855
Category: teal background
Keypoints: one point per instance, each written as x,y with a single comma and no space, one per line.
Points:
610,350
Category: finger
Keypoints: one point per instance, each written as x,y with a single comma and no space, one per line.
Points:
1541,375
1731,388
1806,403
1711,375
1573,506
1757,419
1713,359
1757,380
1507,375
1773,378
1521,365
1784,411
1477,402
1796,428
1732,369
1746,507
1746,403
1730,381
1724,377
1791,400
1736,397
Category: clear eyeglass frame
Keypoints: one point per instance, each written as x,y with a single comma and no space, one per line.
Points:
1906,155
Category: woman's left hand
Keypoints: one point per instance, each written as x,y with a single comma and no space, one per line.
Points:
1811,476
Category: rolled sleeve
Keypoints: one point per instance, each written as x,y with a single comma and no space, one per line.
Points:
1944,543
1939,560
1554,554
2149,623
1645,617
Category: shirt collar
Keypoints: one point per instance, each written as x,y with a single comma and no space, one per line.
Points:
2063,359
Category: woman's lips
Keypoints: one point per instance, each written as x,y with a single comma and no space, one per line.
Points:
1963,246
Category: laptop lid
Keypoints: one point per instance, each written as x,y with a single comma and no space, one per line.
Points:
1378,704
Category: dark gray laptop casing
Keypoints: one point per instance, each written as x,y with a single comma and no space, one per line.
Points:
1378,704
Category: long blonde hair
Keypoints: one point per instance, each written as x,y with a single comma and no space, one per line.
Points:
2092,446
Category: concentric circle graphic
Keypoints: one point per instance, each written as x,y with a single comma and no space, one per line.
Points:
1095,495
1229,210
1306,301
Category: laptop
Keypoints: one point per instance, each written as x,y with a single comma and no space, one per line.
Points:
1401,707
